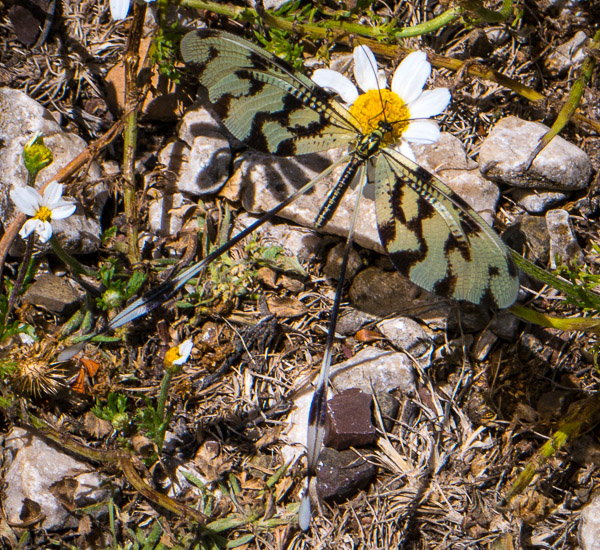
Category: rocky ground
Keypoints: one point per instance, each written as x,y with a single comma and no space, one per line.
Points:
118,448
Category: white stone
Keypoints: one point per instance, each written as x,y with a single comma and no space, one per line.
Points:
504,155
589,525
267,180
165,214
536,202
374,370
407,335
568,54
297,242
36,466
563,242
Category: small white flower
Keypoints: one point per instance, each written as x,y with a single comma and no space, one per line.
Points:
43,209
178,355
119,8
184,349
406,106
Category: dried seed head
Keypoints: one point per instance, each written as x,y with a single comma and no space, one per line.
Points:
38,377
35,374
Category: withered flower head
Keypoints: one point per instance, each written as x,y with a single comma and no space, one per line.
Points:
35,374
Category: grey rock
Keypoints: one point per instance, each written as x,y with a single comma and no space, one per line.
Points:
483,345
553,404
407,335
589,525
334,262
20,118
478,44
504,154
53,294
563,242
389,407
298,242
374,370
566,55
381,292
200,159
38,474
505,325
529,235
165,212
585,451
447,159
536,202
352,321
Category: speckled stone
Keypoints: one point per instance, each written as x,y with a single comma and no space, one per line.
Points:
340,475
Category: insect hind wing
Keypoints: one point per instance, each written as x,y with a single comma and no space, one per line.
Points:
437,240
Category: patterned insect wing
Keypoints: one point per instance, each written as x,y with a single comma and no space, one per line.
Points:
436,239
262,100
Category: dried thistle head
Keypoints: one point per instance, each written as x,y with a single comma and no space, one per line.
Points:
35,374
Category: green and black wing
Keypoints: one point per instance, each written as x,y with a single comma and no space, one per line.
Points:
436,239
262,100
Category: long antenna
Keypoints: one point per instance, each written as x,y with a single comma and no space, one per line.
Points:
160,294
316,418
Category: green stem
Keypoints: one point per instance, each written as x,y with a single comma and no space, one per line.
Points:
164,393
21,276
77,267
324,28
568,109
489,16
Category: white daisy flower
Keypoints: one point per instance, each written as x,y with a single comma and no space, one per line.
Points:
120,8
406,106
43,209
179,354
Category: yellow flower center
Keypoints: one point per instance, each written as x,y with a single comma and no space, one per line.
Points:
377,106
44,214
171,356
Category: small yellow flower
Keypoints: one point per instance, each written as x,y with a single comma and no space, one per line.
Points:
178,355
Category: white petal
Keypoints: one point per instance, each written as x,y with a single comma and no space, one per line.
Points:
119,9
336,82
422,131
185,348
410,76
366,71
406,150
381,79
44,231
27,199
28,227
63,210
52,194
430,103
